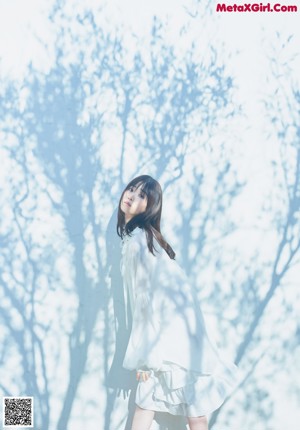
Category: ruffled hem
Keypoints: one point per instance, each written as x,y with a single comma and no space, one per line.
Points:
181,392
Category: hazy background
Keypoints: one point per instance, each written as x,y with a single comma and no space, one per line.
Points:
94,93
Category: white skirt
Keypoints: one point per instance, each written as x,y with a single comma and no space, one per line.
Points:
180,392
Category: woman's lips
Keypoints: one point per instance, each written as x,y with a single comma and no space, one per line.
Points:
127,203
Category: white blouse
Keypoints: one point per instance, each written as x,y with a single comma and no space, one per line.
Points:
167,323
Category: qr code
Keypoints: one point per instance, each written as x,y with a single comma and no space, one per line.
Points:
18,412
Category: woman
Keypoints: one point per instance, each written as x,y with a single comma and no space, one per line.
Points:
178,369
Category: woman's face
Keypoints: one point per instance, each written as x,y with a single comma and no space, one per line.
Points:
134,202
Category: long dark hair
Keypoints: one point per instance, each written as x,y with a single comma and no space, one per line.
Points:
148,220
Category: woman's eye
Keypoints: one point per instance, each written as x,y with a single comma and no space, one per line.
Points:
142,196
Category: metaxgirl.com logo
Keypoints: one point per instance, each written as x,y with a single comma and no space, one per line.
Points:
255,7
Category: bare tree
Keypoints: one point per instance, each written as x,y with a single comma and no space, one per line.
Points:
166,110
283,205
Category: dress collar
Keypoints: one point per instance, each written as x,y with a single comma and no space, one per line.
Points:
134,232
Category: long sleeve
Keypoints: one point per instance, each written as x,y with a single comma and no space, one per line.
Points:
142,351
167,323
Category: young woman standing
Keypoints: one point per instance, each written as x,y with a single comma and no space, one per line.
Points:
178,369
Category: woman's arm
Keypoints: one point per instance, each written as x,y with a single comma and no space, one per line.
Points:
142,352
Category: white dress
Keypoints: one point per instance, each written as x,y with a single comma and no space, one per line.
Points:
168,336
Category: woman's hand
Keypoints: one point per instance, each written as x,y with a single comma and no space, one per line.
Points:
142,375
